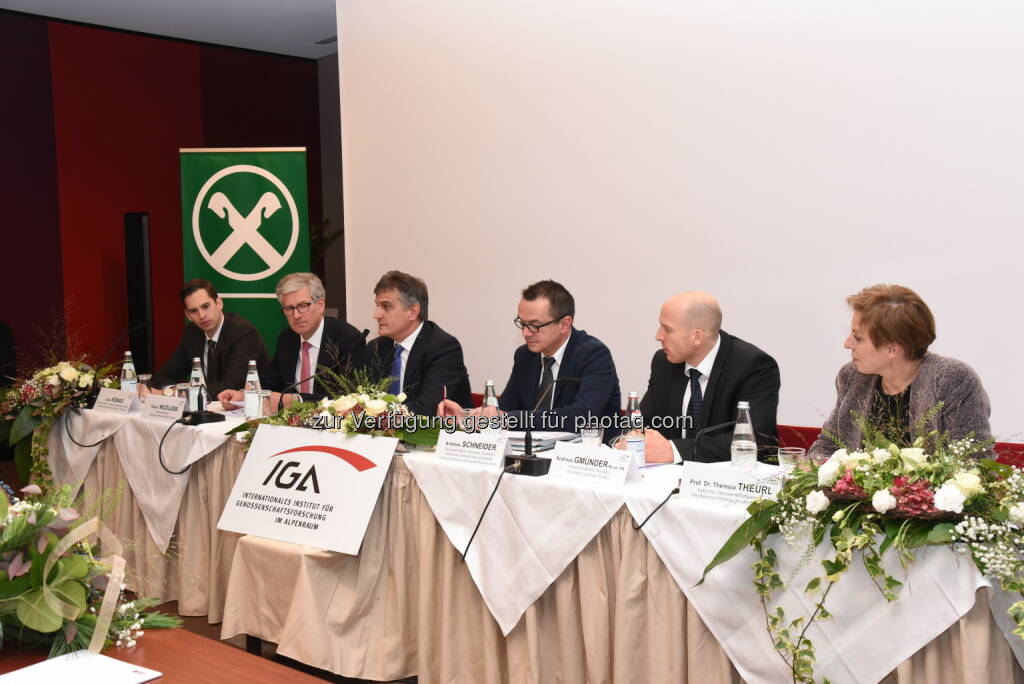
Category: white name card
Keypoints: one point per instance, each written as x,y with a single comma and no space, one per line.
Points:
115,401
165,409
308,487
723,486
481,451
587,464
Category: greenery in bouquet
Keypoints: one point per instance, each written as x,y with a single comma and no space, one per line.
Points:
52,586
357,405
884,497
30,407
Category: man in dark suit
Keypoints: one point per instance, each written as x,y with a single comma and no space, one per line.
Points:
311,342
697,379
224,342
420,357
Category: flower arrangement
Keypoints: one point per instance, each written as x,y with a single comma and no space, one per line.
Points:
878,498
53,590
366,408
37,402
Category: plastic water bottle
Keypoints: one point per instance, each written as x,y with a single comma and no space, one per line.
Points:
129,380
636,439
196,385
252,391
744,446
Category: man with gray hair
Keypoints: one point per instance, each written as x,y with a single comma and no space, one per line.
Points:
697,379
311,341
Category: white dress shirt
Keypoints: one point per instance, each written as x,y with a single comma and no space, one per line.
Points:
557,356
315,341
406,346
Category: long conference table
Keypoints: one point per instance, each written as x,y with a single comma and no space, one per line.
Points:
558,585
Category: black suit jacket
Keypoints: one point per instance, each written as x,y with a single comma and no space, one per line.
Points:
342,350
596,394
435,361
239,342
741,372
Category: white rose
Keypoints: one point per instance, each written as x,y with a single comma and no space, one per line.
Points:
828,473
969,482
881,455
345,403
914,455
400,397
817,502
838,455
375,407
948,497
1017,515
69,374
53,380
853,459
325,404
883,501
85,380
62,365
364,398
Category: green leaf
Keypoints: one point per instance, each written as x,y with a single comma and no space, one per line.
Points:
917,534
813,584
741,538
3,506
23,426
73,592
75,566
11,588
426,438
243,427
35,614
941,533
23,459
996,468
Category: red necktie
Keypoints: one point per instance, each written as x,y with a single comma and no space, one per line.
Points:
307,385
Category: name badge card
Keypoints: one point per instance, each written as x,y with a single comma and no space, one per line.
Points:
116,401
723,486
588,464
481,451
308,487
165,409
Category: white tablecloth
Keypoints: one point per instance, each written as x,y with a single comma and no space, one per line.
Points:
157,492
865,639
533,529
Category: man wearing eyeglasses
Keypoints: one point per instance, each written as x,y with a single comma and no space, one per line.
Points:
568,375
223,341
311,341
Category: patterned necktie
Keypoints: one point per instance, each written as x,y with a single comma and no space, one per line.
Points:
546,380
304,371
396,371
696,401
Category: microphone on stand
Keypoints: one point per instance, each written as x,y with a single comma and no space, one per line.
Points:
345,352
527,463
710,428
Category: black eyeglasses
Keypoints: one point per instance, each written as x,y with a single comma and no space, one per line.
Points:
532,327
302,308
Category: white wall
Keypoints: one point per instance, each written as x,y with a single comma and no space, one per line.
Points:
781,155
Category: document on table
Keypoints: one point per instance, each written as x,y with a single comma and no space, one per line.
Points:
81,666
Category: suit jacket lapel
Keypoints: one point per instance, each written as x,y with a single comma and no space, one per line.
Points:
677,387
412,362
716,373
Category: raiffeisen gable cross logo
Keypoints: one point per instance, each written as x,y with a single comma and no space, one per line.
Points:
245,222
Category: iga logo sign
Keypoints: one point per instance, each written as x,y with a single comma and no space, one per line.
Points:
245,222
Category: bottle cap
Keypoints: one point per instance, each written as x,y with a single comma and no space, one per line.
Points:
743,405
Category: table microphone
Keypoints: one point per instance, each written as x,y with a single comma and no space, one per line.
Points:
337,359
710,428
527,463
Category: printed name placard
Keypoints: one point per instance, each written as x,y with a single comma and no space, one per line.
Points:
721,485
589,464
308,487
115,401
166,409
482,451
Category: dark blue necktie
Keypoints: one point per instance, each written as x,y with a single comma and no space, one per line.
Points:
546,380
696,401
396,371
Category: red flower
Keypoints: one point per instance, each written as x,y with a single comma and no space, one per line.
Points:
913,498
847,487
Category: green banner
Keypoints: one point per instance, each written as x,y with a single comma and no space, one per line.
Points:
245,225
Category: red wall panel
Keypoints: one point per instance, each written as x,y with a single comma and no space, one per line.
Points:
123,104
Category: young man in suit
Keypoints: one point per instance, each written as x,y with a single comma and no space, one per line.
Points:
420,357
554,350
697,379
224,342
311,341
